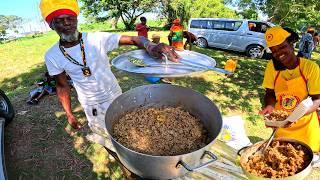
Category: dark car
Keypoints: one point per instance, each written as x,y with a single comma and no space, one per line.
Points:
6,116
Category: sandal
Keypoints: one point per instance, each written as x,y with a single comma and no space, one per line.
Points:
30,102
33,102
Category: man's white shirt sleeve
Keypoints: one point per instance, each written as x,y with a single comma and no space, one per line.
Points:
52,67
110,41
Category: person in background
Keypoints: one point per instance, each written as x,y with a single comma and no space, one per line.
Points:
293,38
175,39
45,87
191,38
142,27
155,38
83,56
306,44
175,36
288,80
252,26
316,40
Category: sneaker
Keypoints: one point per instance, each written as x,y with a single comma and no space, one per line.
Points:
33,102
30,102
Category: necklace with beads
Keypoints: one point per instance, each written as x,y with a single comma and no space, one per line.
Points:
85,69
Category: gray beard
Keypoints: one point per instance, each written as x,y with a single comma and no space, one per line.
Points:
69,37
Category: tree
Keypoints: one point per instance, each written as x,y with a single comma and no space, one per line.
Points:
211,8
185,9
290,13
8,22
127,10
167,11
294,14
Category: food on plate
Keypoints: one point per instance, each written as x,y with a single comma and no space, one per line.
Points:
164,131
136,61
278,115
281,159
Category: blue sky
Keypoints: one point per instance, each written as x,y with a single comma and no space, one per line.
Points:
30,12
27,9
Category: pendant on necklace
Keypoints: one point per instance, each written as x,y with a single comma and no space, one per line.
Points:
86,71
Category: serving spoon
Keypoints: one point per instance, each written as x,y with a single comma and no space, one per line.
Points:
269,140
298,112
261,150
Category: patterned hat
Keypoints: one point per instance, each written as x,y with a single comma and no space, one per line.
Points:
53,8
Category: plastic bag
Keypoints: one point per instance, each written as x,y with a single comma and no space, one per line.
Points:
233,132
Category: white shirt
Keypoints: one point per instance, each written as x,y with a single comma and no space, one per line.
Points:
102,85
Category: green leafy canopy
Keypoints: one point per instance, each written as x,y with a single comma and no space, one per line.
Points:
127,10
295,14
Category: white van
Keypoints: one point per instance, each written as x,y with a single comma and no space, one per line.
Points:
232,34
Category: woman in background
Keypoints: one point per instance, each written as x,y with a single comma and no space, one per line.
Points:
175,36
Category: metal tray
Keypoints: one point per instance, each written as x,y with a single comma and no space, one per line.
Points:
159,68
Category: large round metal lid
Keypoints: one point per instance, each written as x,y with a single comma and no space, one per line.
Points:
158,68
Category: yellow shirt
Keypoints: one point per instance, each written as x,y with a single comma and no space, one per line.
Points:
309,69
290,88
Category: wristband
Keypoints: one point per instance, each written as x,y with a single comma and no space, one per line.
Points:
148,45
145,44
144,41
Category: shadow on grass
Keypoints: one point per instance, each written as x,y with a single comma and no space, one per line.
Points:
21,84
37,146
242,92
218,52
236,92
247,80
37,138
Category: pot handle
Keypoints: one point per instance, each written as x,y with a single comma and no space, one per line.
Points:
242,149
313,163
100,131
187,167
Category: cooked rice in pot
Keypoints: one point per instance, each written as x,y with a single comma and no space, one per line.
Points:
281,159
165,131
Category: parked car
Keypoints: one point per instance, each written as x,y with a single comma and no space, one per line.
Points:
232,34
6,108
6,116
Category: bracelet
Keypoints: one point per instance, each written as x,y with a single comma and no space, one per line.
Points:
148,45
145,44
144,41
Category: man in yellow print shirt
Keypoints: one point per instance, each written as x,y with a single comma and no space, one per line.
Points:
288,80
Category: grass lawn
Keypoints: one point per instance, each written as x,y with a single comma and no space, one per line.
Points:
40,145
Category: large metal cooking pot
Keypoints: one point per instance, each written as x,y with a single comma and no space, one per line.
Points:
246,152
164,167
